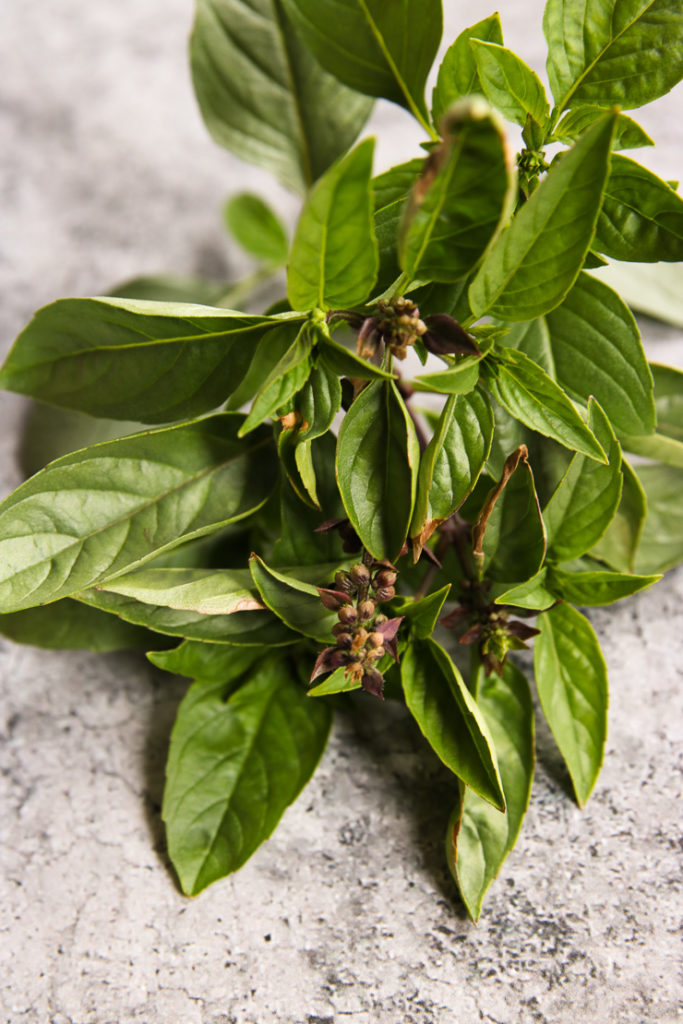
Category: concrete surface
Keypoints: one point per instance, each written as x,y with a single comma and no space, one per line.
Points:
348,912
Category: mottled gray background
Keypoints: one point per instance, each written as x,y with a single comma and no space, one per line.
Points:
348,912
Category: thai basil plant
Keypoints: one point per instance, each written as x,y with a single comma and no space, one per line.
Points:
296,508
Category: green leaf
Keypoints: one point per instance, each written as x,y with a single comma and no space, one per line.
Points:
528,394
533,339
607,52
299,544
571,679
422,615
285,379
257,228
596,588
587,497
514,540
67,626
466,190
345,363
656,446
509,84
460,379
641,218
652,288
390,191
628,134
333,262
107,509
451,464
234,766
49,432
264,97
668,400
618,545
208,663
449,719
294,600
134,360
377,464
337,682
318,403
597,351
220,606
479,838
383,49
269,350
532,594
661,540
552,231
170,288
458,75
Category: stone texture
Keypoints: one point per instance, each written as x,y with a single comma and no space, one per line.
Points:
347,913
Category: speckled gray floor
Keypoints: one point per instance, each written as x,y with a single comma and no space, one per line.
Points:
347,913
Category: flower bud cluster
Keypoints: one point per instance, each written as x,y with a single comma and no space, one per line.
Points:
400,325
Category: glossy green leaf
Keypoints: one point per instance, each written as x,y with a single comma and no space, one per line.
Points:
641,218
479,838
514,542
220,606
532,397
208,663
596,588
299,544
458,75
67,625
390,191
449,719
294,600
49,432
661,540
509,84
285,379
345,363
532,265
571,679
107,509
607,52
264,97
451,464
318,403
533,594
377,464
423,614
383,49
533,339
460,379
134,360
234,766
336,682
464,193
628,134
597,351
618,545
587,497
333,262
257,228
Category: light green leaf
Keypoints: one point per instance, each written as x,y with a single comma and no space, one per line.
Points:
651,288
105,510
67,626
661,540
641,219
49,432
337,682
390,191
514,540
571,679
422,615
299,544
596,588
552,231
618,545
170,288
460,379
449,719
451,464
257,228
625,52
208,663
533,594
628,134
597,351
252,754
656,446
285,379
318,403
383,49
134,360
377,464
220,606
333,263
466,190
264,97
479,838
509,84
529,395
533,339
458,70
668,400
345,363
587,497
294,600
